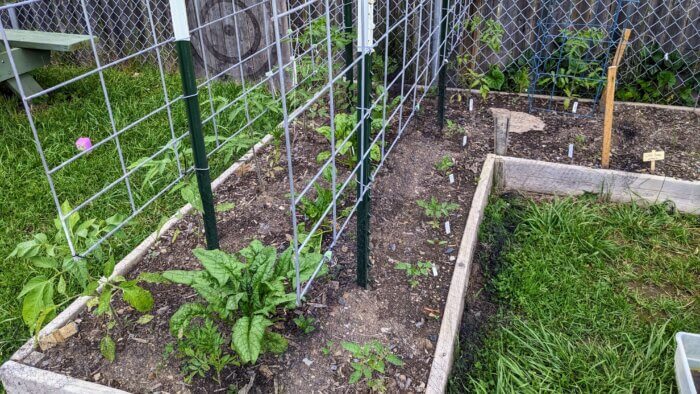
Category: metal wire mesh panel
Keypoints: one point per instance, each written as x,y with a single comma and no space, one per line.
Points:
125,145
358,132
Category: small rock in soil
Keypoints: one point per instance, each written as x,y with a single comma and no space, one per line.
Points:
307,362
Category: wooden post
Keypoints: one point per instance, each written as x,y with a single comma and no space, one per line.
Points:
608,120
501,124
616,62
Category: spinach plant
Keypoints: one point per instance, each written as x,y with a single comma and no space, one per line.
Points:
243,291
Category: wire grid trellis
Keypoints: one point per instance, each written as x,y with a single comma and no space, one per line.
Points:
396,100
661,64
233,113
571,56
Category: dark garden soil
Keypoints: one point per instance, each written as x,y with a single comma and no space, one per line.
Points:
405,319
635,130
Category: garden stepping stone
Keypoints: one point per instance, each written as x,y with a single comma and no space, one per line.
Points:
520,122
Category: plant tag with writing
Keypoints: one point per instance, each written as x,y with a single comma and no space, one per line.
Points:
447,227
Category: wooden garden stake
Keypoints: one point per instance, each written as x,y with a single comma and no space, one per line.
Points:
616,61
608,120
653,156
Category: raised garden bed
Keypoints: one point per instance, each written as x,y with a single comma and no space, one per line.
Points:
407,319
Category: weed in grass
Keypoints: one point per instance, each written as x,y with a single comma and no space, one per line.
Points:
591,294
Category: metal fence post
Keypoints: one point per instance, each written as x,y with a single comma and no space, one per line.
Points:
365,43
442,58
189,87
347,22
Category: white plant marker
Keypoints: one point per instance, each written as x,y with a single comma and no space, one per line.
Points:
464,141
575,107
434,269
471,104
653,156
447,227
452,178
571,151
666,56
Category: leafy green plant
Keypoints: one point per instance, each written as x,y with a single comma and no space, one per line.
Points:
129,290
370,363
305,324
414,271
491,31
660,77
244,291
486,82
445,164
436,210
203,349
345,140
570,72
57,271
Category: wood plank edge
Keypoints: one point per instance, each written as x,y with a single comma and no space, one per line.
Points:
454,307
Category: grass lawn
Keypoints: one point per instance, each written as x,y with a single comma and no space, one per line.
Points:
79,110
589,297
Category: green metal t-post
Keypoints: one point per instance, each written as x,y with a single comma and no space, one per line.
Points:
364,139
194,119
442,74
365,45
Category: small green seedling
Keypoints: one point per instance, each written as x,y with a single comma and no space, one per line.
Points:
422,268
326,350
369,363
436,241
436,210
305,324
445,164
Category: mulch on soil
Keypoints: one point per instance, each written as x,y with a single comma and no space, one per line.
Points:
403,318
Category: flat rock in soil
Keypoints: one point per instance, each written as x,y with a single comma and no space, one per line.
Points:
520,122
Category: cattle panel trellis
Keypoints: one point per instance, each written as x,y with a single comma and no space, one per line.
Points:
320,66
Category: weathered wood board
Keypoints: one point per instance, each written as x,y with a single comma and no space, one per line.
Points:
563,179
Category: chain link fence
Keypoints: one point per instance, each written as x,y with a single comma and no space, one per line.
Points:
661,64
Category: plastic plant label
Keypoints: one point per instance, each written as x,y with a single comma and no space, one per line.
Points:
434,269
571,151
666,56
471,104
452,178
575,107
464,141
447,227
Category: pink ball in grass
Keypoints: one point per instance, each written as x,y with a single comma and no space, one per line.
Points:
83,143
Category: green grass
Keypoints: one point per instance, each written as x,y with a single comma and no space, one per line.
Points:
79,110
590,294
